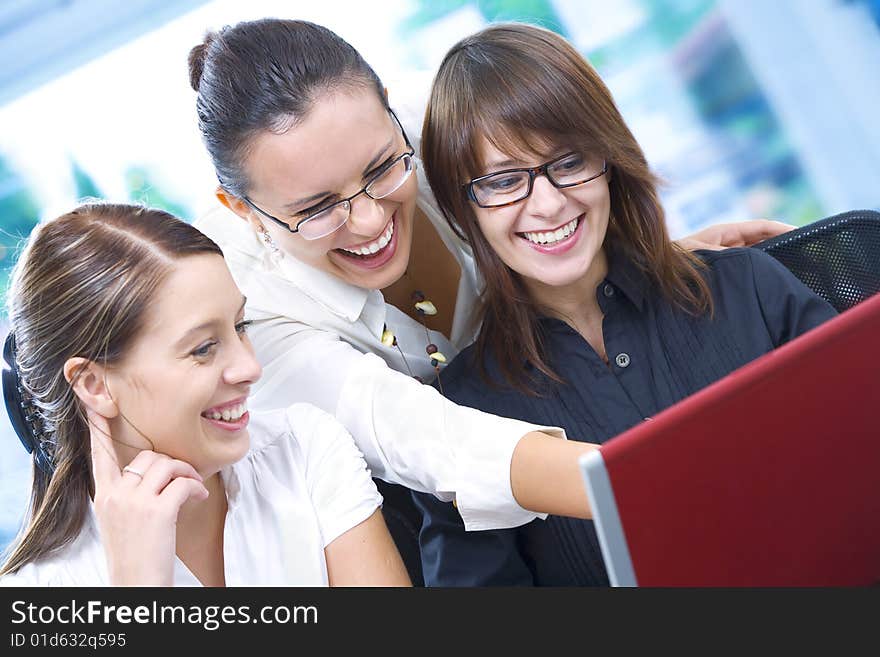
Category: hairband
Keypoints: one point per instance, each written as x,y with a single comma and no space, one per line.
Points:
21,411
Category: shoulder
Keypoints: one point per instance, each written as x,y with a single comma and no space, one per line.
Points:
746,268
742,262
733,259
298,423
753,269
227,229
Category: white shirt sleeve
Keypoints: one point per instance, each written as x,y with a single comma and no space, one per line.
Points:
408,433
339,483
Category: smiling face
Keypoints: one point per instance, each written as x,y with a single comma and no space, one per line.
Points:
184,382
343,142
553,238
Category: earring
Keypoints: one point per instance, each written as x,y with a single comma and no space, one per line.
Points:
275,252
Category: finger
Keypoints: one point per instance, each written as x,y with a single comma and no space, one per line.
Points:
692,244
758,230
105,467
133,473
164,469
181,490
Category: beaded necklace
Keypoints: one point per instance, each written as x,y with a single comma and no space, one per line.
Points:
424,307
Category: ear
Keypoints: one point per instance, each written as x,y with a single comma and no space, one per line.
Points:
239,207
89,383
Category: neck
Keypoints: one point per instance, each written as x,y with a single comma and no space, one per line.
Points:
574,303
201,521
200,528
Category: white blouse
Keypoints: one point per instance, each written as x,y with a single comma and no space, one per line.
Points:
302,484
318,339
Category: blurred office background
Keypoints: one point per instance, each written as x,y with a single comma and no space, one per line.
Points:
746,108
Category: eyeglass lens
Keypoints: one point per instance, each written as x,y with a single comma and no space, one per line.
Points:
386,183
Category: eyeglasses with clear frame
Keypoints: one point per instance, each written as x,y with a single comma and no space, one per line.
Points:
502,188
328,220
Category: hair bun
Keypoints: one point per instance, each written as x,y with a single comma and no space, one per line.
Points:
196,60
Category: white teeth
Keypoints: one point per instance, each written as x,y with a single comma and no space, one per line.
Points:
376,245
230,414
554,236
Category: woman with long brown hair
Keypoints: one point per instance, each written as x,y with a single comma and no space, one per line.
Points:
130,372
592,318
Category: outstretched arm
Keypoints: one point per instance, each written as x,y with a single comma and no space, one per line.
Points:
545,475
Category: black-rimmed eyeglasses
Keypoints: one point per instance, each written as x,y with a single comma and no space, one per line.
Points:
331,218
501,188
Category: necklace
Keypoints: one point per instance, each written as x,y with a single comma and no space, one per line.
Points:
424,307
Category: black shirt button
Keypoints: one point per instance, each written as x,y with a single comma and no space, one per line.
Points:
608,290
622,360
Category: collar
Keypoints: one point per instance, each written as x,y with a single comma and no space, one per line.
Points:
627,279
626,276
337,296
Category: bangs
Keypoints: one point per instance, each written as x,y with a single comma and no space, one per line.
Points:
528,114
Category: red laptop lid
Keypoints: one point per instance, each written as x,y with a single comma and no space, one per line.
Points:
769,477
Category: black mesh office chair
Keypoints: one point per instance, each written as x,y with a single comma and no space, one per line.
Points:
837,257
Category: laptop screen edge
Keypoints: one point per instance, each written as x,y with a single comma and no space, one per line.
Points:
606,518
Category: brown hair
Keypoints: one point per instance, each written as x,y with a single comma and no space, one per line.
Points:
523,87
264,75
81,287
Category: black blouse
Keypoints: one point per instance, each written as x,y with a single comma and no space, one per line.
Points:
657,355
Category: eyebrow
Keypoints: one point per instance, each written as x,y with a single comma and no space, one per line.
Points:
201,327
293,205
504,164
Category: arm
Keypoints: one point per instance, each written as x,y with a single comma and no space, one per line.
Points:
494,467
743,233
365,555
358,548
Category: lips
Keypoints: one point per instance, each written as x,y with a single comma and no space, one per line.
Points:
230,412
381,256
372,248
556,241
552,236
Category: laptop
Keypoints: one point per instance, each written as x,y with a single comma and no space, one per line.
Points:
768,477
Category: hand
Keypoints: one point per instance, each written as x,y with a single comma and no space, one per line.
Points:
743,233
137,515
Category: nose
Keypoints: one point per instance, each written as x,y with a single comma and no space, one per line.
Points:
545,200
367,216
243,367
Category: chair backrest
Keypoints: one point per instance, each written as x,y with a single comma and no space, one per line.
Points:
837,257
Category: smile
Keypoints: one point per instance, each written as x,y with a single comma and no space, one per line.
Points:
375,254
374,247
232,416
552,237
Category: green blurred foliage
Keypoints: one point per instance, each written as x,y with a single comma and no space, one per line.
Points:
142,189
19,213
539,12
83,183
